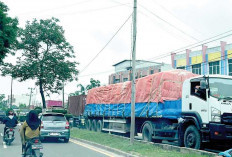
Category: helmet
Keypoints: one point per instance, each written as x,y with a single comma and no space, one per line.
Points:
9,111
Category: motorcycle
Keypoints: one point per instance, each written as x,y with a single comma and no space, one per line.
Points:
9,136
33,147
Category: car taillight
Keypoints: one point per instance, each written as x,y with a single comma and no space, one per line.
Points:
36,141
41,126
67,125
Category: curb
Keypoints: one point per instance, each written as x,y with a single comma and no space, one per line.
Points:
162,146
112,150
183,150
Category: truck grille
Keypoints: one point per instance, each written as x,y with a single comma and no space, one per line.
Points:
226,118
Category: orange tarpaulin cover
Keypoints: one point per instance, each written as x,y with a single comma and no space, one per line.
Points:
152,88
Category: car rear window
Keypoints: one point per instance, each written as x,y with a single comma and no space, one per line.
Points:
53,118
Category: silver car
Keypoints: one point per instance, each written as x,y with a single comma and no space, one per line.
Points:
54,125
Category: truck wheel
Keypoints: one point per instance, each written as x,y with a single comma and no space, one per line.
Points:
99,126
94,125
88,125
147,132
192,138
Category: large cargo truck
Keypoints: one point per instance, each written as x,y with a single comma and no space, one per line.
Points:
175,106
53,103
76,105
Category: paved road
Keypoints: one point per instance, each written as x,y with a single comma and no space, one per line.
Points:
53,148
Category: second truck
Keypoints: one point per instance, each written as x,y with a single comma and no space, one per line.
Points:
175,106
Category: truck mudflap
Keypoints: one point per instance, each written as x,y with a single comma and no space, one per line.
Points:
220,131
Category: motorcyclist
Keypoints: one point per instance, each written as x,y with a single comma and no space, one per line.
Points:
30,128
10,121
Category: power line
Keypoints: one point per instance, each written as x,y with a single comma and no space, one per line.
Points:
141,12
81,12
192,45
168,23
169,53
106,44
168,11
61,7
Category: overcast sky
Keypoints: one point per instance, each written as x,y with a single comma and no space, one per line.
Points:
162,26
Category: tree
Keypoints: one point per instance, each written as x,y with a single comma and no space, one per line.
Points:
93,84
83,90
3,102
8,32
22,106
46,57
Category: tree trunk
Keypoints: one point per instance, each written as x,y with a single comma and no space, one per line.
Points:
42,93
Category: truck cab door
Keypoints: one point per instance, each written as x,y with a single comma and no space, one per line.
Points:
198,100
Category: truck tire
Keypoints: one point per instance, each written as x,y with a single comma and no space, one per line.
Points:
192,138
147,132
94,125
88,125
99,126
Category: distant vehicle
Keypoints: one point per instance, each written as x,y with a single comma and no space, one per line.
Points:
9,136
54,125
2,115
52,103
76,105
76,108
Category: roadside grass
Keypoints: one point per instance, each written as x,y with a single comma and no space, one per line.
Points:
140,149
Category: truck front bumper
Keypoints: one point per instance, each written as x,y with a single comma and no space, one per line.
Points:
220,131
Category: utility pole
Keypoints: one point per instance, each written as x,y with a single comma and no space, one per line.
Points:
11,92
63,93
30,96
132,129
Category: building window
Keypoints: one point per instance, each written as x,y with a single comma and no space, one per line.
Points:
116,80
196,69
152,71
230,67
125,79
214,68
181,67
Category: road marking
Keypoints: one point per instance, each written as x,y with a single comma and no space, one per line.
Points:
91,147
4,144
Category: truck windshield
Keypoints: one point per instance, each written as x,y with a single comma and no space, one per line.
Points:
220,88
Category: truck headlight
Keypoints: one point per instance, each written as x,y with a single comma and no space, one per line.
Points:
216,115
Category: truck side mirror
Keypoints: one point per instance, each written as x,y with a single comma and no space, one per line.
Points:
203,84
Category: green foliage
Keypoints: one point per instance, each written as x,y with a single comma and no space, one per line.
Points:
3,102
93,84
138,148
83,90
8,32
15,107
46,57
22,106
